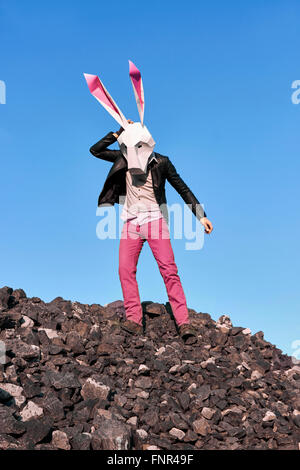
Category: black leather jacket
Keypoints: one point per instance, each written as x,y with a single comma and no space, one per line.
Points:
162,170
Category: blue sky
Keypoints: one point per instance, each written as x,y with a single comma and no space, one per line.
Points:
217,79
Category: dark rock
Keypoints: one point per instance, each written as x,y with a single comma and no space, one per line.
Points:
221,404
190,436
74,342
23,350
203,392
31,389
84,410
81,441
8,442
38,429
53,406
105,349
43,338
178,421
6,298
236,330
60,380
236,382
9,424
184,400
55,349
19,294
153,309
111,435
150,417
7,322
143,382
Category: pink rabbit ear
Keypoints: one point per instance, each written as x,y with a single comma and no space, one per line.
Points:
99,91
137,83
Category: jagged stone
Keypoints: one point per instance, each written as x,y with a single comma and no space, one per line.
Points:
177,433
150,417
8,423
8,442
143,382
25,351
143,370
51,334
81,441
12,389
269,416
208,413
31,410
37,430
74,342
60,380
6,298
60,440
184,400
26,322
111,435
53,406
94,388
153,308
201,426
203,392
133,420
30,389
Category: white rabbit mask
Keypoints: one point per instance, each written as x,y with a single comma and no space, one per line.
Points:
136,142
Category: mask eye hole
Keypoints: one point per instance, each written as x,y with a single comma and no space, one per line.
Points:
123,148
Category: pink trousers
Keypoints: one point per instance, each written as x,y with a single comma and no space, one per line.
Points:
132,239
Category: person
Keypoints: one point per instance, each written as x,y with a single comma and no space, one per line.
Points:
146,219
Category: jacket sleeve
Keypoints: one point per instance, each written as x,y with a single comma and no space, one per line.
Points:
189,198
100,150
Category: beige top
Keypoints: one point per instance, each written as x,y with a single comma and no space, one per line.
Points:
140,203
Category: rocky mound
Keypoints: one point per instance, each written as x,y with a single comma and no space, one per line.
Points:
72,379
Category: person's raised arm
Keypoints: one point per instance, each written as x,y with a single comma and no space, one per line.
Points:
100,149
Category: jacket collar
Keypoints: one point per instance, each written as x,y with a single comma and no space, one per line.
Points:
121,163
152,157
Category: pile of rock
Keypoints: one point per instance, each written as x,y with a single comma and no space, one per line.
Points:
72,379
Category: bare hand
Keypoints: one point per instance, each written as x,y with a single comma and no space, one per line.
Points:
116,134
207,224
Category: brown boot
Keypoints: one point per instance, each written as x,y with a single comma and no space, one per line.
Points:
132,327
188,333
